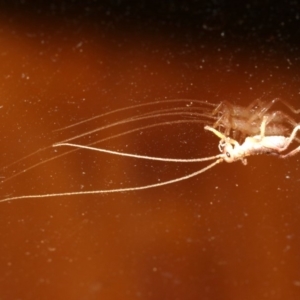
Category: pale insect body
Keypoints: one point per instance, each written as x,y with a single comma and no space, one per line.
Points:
258,117
260,144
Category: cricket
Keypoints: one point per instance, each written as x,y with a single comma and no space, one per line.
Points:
243,131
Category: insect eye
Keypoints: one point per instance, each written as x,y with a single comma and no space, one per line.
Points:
228,154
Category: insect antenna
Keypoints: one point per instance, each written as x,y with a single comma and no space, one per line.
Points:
121,190
102,140
187,111
189,103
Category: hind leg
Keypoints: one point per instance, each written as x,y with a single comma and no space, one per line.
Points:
288,142
279,116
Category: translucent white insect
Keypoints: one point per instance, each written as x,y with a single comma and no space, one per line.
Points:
230,149
259,144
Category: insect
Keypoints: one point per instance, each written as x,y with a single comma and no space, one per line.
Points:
246,121
231,151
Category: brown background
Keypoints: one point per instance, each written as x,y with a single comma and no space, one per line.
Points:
230,233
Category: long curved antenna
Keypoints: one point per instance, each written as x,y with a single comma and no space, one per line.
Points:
137,106
96,142
122,122
137,118
138,156
95,192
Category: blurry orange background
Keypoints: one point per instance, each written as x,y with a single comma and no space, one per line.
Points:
230,233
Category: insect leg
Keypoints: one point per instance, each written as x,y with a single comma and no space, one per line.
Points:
288,142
